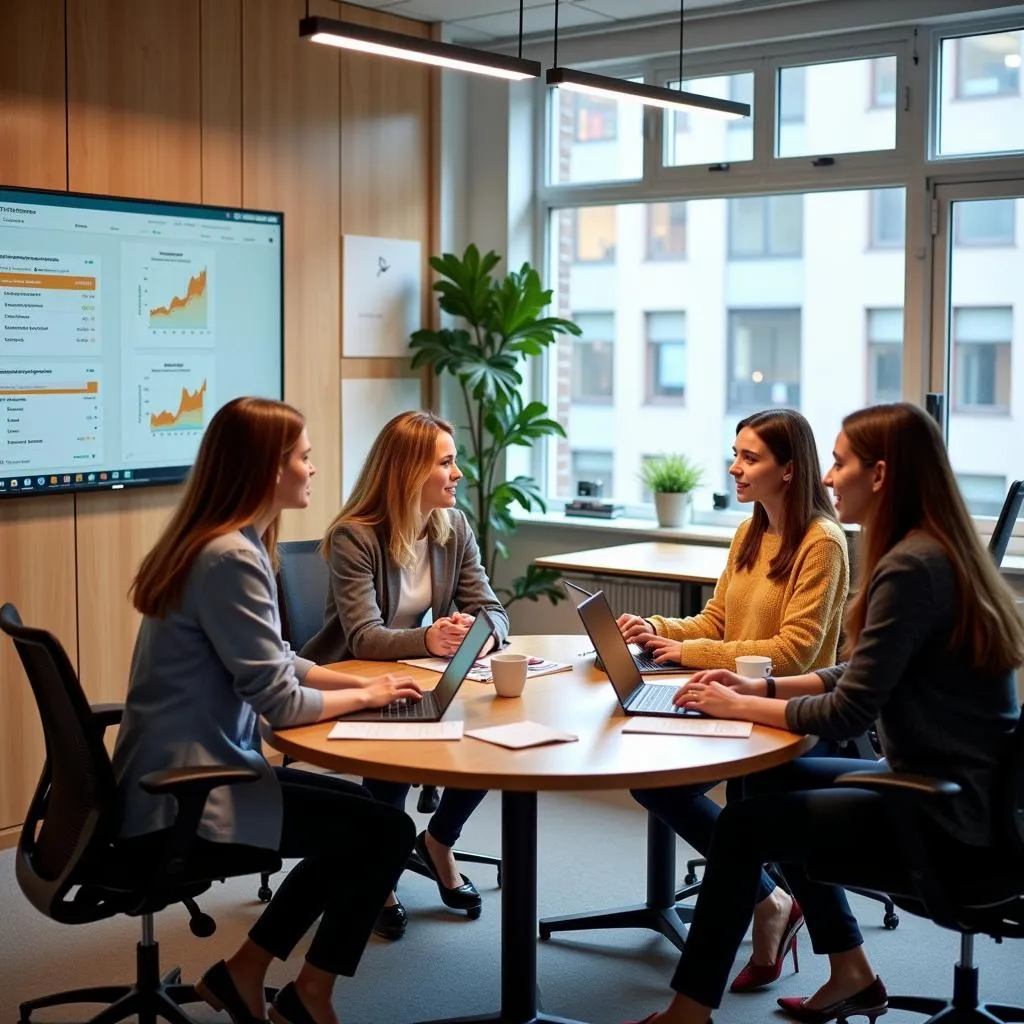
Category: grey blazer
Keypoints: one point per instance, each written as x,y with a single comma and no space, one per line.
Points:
200,676
362,600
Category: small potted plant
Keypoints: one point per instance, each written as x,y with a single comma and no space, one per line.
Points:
670,478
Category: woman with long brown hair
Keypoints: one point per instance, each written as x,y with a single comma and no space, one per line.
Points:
209,659
398,550
781,596
933,637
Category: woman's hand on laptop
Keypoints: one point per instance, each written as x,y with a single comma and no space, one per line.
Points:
741,684
661,648
632,626
385,689
712,698
445,635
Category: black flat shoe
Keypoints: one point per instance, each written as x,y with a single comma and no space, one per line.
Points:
288,1008
391,922
217,989
462,897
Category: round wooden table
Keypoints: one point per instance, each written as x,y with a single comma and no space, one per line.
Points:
581,702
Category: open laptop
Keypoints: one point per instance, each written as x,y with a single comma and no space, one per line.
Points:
635,696
437,701
644,659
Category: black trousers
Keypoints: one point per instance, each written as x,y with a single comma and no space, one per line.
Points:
353,850
790,815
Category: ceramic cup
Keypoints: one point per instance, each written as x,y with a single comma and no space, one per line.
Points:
509,673
754,666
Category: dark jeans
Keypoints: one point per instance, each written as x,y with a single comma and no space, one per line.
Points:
353,851
452,812
789,815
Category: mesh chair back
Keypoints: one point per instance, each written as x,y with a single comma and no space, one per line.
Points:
304,578
73,812
1007,519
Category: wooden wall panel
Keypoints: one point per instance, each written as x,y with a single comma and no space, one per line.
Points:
134,98
32,151
290,137
221,41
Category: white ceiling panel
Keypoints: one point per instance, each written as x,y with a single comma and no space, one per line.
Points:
455,10
536,19
635,8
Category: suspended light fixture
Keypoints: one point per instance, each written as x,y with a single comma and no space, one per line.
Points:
651,95
363,38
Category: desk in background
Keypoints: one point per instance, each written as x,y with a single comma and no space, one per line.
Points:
581,702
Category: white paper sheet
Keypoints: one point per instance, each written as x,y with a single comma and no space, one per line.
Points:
690,727
396,731
481,670
517,735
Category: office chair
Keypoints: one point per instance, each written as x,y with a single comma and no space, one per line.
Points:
303,581
68,862
988,900
1007,520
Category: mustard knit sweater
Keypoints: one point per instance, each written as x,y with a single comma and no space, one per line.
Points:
794,620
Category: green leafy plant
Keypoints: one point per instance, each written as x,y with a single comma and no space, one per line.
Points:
504,326
670,474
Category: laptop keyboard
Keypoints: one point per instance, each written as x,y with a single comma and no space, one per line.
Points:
654,698
398,710
644,660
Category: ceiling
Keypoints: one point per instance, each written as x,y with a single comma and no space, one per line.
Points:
483,21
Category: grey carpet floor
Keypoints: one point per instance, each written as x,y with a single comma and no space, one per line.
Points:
591,855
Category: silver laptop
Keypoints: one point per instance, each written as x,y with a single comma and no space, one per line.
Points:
437,701
635,696
644,659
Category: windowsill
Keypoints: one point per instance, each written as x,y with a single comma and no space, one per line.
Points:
645,528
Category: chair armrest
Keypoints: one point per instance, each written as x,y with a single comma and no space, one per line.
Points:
107,715
901,784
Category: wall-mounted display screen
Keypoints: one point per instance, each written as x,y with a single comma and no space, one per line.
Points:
124,325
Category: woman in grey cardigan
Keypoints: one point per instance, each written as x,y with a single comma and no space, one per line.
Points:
397,550
932,639
209,659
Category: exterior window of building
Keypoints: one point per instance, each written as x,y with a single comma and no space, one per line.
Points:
764,227
981,359
593,359
983,494
988,65
883,83
594,467
885,355
984,222
888,215
692,141
595,234
764,359
666,357
596,119
792,88
666,231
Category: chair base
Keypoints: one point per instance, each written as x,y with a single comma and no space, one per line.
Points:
943,1011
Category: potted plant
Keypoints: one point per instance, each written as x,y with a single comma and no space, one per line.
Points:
503,326
670,478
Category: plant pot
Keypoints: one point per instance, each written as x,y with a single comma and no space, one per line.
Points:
671,508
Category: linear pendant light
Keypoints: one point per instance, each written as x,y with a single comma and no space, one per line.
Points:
365,39
650,95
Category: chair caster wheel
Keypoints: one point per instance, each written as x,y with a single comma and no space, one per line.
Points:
173,976
890,922
474,913
690,878
265,894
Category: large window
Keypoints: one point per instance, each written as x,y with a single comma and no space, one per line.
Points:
764,359
596,119
666,357
594,234
766,227
666,231
697,138
885,355
593,359
594,467
981,359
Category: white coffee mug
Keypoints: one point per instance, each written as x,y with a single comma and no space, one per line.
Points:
508,672
754,666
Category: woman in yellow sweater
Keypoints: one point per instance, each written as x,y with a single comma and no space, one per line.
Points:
782,595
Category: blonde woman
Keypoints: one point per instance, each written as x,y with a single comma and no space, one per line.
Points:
398,550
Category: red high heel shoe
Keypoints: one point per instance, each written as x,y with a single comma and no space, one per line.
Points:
870,1002
755,976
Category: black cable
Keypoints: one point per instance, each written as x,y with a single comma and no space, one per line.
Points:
556,34
522,4
681,2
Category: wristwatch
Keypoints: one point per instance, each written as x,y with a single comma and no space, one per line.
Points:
769,683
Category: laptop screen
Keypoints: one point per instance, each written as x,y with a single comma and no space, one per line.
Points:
611,648
462,660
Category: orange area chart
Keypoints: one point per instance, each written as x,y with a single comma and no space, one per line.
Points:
183,312
190,414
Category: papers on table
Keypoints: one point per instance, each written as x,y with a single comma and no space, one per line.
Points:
690,727
481,670
517,735
396,731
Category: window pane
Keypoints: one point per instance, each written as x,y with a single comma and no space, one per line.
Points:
595,234
594,139
984,494
981,359
835,121
888,218
595,468
593,359
666,236
696,344
985,222
980,107
693,137
883,82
